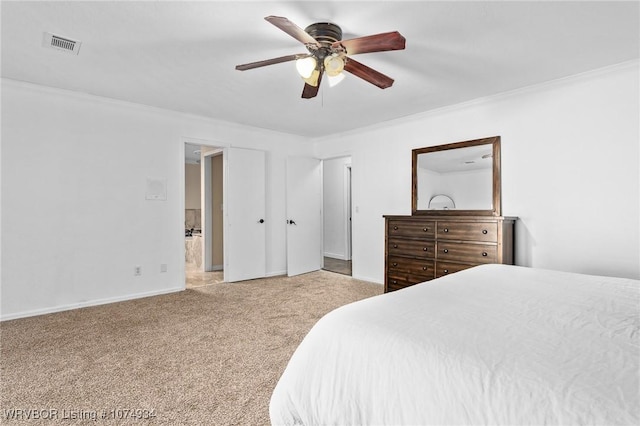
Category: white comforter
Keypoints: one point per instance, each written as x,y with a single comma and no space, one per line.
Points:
493,344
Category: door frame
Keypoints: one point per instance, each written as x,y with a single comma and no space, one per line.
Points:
206,204
213,147
347,204
348,211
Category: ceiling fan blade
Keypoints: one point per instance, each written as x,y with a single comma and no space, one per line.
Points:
292,29
368,74
264,63
310,91
373,43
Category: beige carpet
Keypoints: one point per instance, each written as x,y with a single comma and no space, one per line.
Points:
209,355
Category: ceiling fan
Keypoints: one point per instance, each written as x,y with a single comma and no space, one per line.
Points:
330,55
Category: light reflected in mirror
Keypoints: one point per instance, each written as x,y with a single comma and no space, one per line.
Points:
441,202
457,178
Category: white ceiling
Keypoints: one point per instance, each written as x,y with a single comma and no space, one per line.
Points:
457,160
181,55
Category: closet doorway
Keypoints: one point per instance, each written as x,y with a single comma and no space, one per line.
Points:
336,200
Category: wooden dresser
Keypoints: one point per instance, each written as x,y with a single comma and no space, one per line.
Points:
420,247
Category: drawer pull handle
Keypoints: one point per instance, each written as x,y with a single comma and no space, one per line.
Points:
484,253
446,271
395,246
394,282
424,268
424,249
395,264
484,231
446,250
425,229
395,228
446,229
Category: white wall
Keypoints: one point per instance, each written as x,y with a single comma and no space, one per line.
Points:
192,186
334,209
217,212
469,190
74,170
570,171
75,221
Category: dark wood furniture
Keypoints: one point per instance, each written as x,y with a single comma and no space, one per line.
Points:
420,248
435,242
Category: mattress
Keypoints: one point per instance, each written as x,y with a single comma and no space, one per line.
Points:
494,344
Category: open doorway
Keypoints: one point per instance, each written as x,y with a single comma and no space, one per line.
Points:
204,194
336,184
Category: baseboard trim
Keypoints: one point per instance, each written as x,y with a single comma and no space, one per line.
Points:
87,304
369,279
336,256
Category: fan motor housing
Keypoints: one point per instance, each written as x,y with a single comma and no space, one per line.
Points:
324,32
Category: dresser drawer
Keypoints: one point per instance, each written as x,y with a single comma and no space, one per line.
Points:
396,281
395,284
411,228
446,268
464,252
420,248
467,231
423,268
413,248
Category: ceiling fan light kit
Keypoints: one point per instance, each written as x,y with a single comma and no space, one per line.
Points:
330,55
333,65
334,80
313,79
306,66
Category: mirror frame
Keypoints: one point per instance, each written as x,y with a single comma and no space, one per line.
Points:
497,183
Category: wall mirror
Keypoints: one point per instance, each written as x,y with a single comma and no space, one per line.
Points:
466,173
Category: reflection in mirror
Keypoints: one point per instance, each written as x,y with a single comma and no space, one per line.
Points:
463,174
467,172
441,202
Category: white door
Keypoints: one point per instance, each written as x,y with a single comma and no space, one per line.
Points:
304,215
245,236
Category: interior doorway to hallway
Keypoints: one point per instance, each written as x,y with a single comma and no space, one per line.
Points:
337,241
204,219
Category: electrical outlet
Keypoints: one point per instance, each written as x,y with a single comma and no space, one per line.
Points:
163,267
137,270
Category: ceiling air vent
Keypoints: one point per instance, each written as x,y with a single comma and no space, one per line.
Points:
63,44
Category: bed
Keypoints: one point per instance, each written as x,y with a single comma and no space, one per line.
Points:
494,344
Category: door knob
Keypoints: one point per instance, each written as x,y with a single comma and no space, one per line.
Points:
261,221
